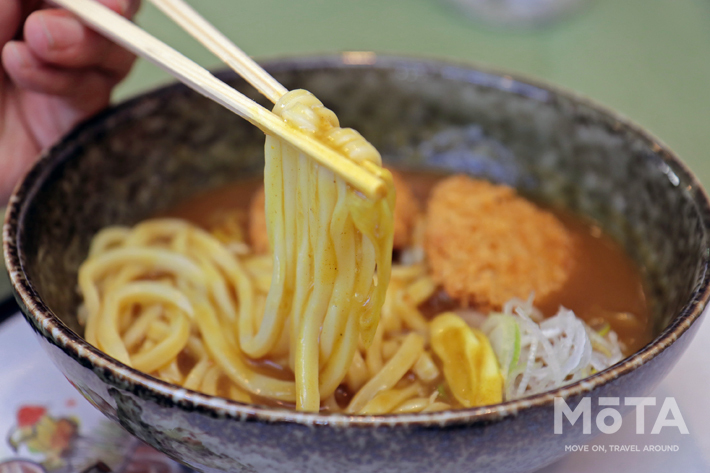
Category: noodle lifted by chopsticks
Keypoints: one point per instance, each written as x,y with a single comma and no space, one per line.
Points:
159,296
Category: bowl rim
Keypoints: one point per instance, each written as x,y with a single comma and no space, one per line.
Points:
49,326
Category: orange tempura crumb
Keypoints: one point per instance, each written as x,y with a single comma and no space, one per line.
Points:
406,211
405,214
486,245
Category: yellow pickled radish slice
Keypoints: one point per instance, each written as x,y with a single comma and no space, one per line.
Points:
470,366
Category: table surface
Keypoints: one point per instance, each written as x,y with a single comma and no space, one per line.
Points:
650,60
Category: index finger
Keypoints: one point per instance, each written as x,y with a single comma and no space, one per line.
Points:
10,16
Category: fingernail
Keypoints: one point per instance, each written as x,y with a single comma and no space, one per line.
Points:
123,7
119,6
15,51
61,31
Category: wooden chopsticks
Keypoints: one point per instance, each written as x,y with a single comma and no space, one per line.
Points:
133,38
203,31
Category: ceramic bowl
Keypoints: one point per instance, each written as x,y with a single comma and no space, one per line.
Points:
145,155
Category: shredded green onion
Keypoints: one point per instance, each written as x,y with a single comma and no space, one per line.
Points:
538,354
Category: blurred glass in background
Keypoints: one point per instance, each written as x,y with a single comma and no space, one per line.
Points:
517,13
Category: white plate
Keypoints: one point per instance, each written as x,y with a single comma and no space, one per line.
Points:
45,424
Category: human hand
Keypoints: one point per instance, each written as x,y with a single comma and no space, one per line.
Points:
55,73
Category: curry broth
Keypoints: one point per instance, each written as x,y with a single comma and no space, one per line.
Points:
605,285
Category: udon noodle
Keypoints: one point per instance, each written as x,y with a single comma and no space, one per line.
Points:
165,287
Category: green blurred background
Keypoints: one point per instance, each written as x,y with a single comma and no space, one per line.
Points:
648,59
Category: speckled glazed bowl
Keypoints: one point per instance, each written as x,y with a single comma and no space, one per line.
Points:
146,154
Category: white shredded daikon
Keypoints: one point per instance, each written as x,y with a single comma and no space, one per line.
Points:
552,352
